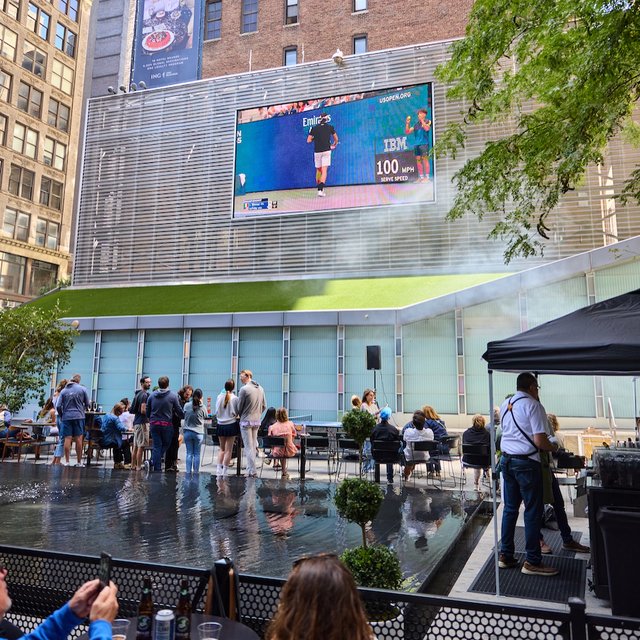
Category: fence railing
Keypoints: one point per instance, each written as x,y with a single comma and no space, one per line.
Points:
41,581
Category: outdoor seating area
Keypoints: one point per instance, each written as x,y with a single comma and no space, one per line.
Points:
416,616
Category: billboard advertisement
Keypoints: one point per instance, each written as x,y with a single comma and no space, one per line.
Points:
357,150
168,38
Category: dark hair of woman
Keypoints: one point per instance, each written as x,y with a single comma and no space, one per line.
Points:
196,398
319,601
268,420
229,386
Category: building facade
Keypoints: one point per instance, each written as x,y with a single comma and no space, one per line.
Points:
250,35
42,61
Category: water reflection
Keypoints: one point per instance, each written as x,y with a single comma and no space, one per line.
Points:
263,525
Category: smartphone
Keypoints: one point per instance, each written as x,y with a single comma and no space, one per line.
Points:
104,573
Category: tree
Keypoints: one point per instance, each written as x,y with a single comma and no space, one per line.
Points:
358,425
32,341
567,71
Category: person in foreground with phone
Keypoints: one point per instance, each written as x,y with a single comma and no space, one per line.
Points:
99,605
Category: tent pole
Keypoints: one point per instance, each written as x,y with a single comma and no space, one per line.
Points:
494,482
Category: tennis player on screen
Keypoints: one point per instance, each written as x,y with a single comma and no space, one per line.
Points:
420,143
325,139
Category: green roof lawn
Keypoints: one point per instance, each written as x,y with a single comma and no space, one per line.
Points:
293,295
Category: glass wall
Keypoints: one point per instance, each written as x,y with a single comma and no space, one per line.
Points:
429,359
117,375
357,378
313,372
163,352
210,361
260,351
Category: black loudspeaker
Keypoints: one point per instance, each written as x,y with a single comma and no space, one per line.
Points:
373,358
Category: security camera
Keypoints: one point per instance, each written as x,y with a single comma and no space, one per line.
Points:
338,57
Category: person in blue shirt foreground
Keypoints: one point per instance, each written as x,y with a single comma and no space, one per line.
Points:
99,605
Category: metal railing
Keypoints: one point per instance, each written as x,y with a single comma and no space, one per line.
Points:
41,581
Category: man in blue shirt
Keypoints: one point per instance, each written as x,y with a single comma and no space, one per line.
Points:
73,403
420,131
100,606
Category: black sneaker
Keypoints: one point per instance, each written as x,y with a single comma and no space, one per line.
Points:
505,562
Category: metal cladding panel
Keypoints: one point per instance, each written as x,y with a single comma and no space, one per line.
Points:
158,183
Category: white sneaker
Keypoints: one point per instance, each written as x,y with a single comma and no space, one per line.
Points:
322,194
219,470
79,464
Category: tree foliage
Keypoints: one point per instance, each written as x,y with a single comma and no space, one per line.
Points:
358,500
32,342
567,71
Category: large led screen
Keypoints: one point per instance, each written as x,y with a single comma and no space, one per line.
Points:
359,150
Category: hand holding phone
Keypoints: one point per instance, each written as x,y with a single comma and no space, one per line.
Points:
104,572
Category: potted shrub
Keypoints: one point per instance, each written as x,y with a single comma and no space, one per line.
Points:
358,425
377,566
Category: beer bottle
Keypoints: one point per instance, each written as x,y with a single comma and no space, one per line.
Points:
183,613
145,612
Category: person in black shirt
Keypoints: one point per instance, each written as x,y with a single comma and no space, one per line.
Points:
325,139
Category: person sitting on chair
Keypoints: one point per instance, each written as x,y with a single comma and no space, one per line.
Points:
320,601
283,428
384,431
415,431
476,434
99,605
112,430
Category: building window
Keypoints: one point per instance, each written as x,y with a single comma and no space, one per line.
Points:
12,270
3,129
213,25
70,7
16,224
51,193
25,140
38,21
65,40
62,77
34,60
290,56
360,44
21,182
30,100
359,5
11,8
291,12
249,16
8,43
54,154
43,277
59,115
47,234
5,86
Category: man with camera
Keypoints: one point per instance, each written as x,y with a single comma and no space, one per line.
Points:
99,605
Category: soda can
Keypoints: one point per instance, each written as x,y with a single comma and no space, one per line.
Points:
164,625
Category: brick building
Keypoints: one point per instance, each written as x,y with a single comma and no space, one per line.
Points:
248,35
42,61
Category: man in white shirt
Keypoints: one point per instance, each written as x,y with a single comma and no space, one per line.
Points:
524,424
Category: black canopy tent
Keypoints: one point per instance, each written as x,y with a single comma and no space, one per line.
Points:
601,339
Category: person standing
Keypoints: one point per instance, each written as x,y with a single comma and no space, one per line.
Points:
420,132
140,422
195,413
251,406
524,436
325,139
171,458
162,404
73,403
228,426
